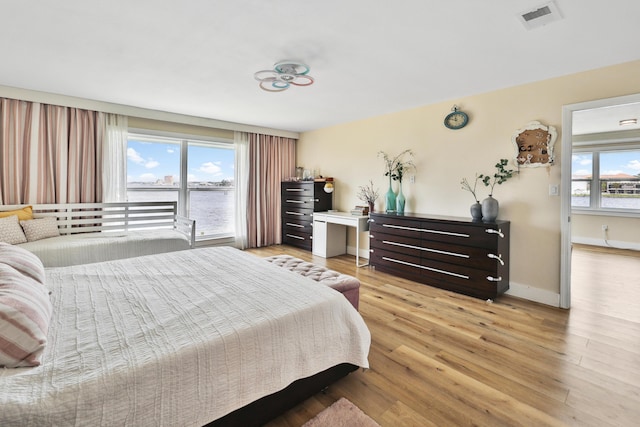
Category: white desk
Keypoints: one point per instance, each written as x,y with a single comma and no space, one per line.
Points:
329,233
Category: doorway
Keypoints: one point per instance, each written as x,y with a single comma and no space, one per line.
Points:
604,106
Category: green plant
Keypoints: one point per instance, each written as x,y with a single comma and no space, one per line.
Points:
502,175
467,187
367,193
396,167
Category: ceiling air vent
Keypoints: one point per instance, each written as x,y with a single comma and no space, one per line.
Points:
541,15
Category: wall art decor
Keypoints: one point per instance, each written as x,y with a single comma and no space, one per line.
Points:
534,145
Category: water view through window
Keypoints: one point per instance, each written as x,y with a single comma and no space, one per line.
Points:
154,169
615,173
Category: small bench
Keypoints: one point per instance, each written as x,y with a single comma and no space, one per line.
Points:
349,286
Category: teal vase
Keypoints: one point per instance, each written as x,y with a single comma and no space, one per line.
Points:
390,199
400,200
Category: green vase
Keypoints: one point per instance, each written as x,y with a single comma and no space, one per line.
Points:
400,199
390,199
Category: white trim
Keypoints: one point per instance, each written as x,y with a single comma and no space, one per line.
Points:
144,113
565,185
534,294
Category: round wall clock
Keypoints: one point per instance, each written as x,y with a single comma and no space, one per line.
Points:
456,119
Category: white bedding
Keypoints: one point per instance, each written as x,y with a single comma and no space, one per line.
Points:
75,249
181,338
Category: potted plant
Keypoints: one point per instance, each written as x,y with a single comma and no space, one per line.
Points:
368,194
396,168
490,205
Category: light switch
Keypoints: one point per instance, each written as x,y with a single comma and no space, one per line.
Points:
553,189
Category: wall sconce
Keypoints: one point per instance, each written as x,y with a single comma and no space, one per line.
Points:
328,186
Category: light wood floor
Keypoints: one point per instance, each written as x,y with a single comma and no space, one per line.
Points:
443,359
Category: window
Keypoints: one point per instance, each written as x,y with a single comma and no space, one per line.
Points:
197,174
606,179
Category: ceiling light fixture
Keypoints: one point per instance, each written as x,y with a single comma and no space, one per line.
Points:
628,122
283,75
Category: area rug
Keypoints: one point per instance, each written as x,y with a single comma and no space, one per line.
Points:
341,414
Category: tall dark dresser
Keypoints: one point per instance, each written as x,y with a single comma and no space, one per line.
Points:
300,199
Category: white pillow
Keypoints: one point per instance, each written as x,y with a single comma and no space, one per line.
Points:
40,228
27,263
25,308
10,230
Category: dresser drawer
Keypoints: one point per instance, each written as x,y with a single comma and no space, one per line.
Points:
299,189
298,215
396,227
298,202
396,264
296,237
297,226
461,234
394,243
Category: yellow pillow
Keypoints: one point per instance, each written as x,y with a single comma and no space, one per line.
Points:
24,214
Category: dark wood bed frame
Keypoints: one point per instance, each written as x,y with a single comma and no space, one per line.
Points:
269,407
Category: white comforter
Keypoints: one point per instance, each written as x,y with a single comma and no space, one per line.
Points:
178,339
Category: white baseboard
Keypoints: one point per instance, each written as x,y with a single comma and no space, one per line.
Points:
534,294
600,242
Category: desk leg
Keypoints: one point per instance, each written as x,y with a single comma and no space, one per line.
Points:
358,249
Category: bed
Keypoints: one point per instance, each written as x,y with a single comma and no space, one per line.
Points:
181,338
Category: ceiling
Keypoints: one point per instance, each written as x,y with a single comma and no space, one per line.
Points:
368,57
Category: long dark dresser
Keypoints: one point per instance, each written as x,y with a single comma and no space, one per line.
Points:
452,253
299,200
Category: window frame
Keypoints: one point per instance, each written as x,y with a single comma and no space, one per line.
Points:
596,149
182,141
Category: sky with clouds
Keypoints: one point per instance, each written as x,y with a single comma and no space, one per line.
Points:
613,163
149,162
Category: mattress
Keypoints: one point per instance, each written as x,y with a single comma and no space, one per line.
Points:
180,338
74,249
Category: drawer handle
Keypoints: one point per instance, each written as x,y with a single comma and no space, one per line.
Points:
295,201
294,236
294,213
371,236
371,250
496,257
426,230
295,189
494,279
424,267
371,220
294,225
421,248
493,231
314,200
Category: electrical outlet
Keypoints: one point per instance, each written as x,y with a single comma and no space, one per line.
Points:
412,179
605,227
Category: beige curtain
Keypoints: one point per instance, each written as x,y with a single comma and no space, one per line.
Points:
49,154
271,159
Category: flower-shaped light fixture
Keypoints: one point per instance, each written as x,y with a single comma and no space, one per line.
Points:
283,75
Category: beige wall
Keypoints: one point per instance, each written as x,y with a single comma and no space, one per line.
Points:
443,157
623,232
